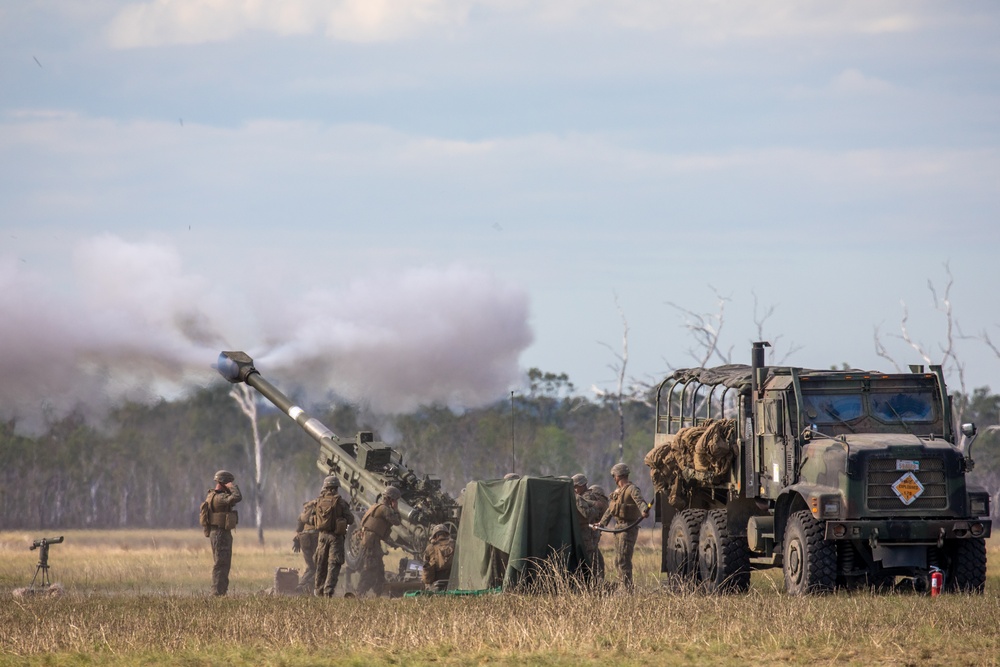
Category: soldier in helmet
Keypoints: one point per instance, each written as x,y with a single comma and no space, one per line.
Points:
305,541
588,514
331,517
375,527
437,558
599,498
222,518
627,507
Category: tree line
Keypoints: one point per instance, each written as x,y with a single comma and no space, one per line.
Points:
149,466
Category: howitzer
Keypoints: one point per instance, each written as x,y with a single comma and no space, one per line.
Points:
364,466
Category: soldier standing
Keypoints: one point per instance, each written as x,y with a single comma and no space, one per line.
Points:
588,514
627,507
599,497
438,555
375,527
222,518
305,541
332,516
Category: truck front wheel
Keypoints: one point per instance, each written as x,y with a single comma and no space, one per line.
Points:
682,544
966,567
809,561
723,559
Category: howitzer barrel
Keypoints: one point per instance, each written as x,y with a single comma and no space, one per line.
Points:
342,458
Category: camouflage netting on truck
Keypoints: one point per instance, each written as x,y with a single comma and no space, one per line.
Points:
695,456
737,376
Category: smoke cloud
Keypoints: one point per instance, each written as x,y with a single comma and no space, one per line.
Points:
134,325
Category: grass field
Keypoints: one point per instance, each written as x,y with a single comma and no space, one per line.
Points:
140,597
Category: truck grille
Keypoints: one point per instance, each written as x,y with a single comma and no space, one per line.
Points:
882,474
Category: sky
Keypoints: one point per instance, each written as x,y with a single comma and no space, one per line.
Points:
415,201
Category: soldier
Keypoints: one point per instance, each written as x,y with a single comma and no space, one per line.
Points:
588,514
375,527
437,559
627,507
331,517
222,518
599,497
305,541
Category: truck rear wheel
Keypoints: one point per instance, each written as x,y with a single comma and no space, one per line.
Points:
809,561
966,567
682,544
723,559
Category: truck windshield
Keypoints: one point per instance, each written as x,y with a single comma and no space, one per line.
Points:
831,408
911,406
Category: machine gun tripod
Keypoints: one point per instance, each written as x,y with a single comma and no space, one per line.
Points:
43,560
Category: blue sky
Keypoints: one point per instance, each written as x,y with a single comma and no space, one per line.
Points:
420,199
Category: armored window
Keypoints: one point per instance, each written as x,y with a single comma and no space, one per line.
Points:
910,406
832,408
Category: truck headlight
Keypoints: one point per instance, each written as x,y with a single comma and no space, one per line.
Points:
979,504
825,507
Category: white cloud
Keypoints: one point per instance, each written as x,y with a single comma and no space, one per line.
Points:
853,81
164,22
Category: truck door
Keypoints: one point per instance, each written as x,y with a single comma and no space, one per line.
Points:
771,441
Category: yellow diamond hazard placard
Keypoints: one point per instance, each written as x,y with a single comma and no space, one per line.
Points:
908,488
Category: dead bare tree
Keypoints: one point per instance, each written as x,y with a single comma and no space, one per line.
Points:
706,329
985,338
245,398
619,368
759,320
947,356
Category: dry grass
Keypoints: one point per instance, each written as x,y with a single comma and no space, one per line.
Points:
134,598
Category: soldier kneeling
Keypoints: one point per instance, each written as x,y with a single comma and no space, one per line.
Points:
437,559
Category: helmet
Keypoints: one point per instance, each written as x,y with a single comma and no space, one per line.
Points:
331,482
512,475
580,479
440,528
224,477
620,470
392,493
597,490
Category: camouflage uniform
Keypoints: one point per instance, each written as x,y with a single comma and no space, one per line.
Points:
596,496
627,506
222,519
587,513
306,539
332,516
437,559
375,527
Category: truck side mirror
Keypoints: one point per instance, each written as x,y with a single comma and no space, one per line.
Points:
969,431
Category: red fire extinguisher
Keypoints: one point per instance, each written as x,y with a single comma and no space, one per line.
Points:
937,581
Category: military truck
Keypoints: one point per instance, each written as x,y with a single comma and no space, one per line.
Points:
843,479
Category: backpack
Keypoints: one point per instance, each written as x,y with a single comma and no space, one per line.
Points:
205,517
325,514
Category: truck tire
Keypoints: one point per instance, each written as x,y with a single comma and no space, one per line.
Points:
682,544
809,561
723,559
966,566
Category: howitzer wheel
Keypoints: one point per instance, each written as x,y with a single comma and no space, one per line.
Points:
965,570
352,545
810,562
682,544
723,559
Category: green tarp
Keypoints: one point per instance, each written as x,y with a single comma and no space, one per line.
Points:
508,528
